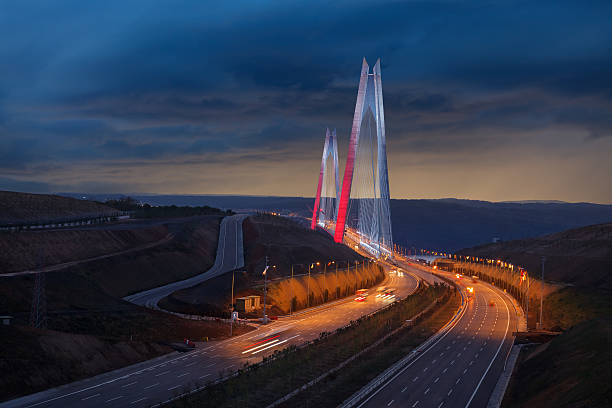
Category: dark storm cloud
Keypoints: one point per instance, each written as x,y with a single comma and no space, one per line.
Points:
143,82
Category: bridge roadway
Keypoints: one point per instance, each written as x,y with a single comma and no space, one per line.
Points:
158,380
229,256
462,367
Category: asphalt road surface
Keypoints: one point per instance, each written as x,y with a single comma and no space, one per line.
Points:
229,256
461,368
158,380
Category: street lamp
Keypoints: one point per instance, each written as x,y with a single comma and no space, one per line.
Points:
265,318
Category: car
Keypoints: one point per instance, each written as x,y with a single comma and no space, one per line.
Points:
491,303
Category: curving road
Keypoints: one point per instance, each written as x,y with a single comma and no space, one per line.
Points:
161,379
230,256
461,367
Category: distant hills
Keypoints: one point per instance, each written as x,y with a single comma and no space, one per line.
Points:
444,224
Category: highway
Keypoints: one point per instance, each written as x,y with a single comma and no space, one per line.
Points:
158,380
460,368
229,256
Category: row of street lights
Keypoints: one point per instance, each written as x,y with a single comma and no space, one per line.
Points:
506,270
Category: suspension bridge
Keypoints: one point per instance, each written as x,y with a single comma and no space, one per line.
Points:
361,203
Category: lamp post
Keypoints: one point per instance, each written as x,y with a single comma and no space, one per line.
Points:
291,300
232,306
308,287
265,318
542,291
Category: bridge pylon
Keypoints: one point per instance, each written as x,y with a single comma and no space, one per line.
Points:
367,163
328,188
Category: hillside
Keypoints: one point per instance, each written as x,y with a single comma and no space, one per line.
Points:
285,242
573,370
445,224
90,329
581,256
17,208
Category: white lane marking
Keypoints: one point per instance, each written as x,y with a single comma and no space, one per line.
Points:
210,365
91,396
404,389
415,379
165,372
436,380
442,403
426,391
390,402
445,370
205,375
138,400
458,379
496,353
415,404
190,364
465,371
127,385
151,386
450,391
113,399
182,375
174,388
425,369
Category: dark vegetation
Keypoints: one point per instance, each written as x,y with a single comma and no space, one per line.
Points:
145,210
287,244
285,371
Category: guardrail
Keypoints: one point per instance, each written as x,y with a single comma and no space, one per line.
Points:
64,222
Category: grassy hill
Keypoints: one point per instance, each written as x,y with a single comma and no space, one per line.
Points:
286,243
17,208
573,370
581,256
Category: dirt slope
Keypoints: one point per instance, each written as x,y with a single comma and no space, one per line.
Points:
16,208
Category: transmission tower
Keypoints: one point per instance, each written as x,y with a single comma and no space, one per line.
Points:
38,312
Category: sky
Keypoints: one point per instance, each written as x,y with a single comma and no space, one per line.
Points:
488,100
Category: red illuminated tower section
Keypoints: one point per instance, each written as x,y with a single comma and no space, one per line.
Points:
369,162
